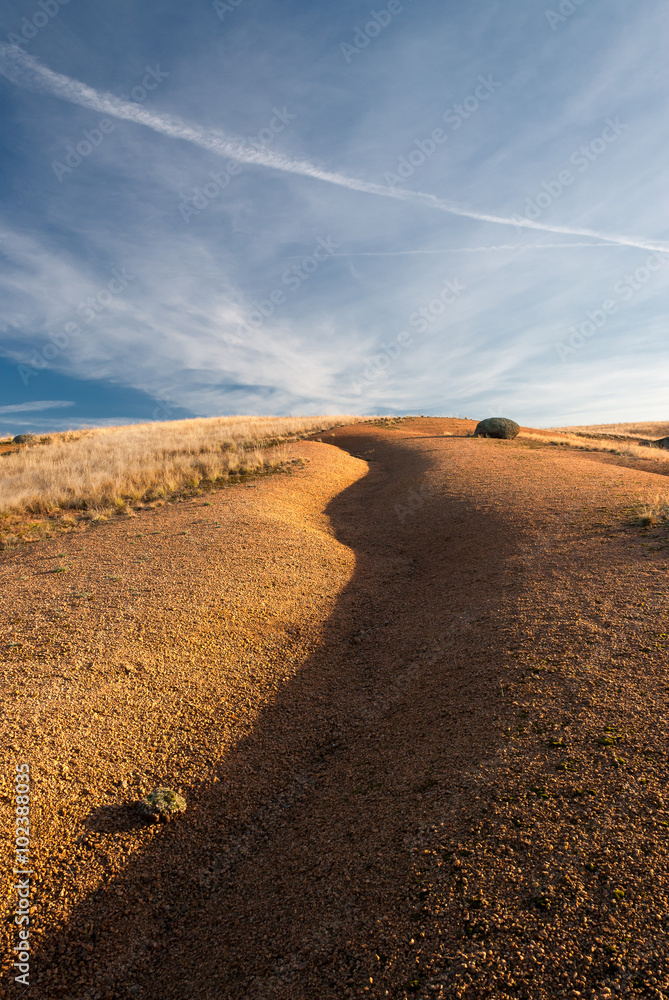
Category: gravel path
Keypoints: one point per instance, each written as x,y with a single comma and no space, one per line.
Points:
415,697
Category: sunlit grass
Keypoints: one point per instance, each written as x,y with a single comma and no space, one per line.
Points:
640,429
106,469
619,446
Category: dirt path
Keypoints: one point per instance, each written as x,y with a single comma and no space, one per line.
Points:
417,708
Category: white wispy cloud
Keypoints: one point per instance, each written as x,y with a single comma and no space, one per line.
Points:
41,404
26,71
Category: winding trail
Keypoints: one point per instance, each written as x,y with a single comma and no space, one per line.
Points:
393,687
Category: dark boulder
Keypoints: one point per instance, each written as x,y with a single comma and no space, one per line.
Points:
660,443
497,427
24,439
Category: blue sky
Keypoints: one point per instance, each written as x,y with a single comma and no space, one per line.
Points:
251,207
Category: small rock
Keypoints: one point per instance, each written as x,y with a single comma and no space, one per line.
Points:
658,443
161,805
497,427
24,439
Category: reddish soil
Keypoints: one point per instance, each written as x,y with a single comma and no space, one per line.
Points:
415,697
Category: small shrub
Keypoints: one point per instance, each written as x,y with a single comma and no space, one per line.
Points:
654,513
161,805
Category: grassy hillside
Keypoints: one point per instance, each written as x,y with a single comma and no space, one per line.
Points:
88,474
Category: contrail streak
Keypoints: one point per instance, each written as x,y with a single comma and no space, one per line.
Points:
503,246
26,71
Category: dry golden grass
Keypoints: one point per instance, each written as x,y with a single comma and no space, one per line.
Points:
620,446
641,429
105,468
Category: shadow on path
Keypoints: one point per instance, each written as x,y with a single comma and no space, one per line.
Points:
292,874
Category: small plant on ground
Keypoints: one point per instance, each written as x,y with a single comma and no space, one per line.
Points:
653,514
161,805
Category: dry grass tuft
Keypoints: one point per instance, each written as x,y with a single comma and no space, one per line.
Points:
654,513
105,470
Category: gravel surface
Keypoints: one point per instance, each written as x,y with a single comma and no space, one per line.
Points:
414,696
